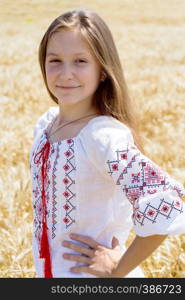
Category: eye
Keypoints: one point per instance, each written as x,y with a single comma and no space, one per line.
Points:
54,60
81,61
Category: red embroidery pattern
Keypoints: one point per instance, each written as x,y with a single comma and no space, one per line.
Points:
69,182
151,212
139,177
69,192
37,192
54,191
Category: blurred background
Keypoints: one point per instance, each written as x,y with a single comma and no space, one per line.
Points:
149,35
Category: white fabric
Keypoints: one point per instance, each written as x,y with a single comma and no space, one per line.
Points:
100,185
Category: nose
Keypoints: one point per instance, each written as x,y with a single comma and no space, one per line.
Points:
66,71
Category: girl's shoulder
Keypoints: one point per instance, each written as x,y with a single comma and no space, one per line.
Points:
106,126
106,129
102,138
45,119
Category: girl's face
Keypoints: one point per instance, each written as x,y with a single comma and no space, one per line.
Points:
72,72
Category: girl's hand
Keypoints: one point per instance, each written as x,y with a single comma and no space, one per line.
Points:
98,260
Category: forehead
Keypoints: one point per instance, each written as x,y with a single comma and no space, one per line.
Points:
67,42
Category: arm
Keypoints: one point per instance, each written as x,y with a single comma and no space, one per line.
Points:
102,261
138,251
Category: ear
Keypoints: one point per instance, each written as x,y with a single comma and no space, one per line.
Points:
103,76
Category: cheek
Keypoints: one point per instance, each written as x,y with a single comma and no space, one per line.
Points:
50,73
92,75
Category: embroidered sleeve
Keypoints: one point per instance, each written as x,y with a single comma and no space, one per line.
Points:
157,199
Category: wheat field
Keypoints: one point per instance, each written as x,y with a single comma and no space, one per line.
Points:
150,39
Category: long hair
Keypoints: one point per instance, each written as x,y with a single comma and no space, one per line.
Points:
111,97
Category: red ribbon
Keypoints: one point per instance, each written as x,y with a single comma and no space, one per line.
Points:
44,243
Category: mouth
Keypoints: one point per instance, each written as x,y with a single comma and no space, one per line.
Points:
68,87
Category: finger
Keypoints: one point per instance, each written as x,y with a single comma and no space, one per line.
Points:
78,248
115,242
77,258
84,239
84,269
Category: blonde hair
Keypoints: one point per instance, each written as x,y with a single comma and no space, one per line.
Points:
111,96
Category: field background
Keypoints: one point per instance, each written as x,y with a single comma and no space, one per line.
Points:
150,40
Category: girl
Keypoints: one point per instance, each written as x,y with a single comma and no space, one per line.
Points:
90,176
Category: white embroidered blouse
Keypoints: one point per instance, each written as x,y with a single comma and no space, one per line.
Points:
99,184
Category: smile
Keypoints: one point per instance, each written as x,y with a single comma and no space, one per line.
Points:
68,87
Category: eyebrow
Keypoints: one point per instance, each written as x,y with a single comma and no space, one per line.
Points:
55,54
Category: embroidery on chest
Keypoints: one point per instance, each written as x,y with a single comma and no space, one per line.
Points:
69,185
37,201
57,188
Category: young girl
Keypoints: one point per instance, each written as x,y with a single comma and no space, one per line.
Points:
89,173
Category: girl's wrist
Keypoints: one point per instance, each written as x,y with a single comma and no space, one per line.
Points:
118,272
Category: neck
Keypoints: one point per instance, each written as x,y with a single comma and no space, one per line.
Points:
74,112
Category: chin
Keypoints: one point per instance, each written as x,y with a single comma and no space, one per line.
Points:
68,101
